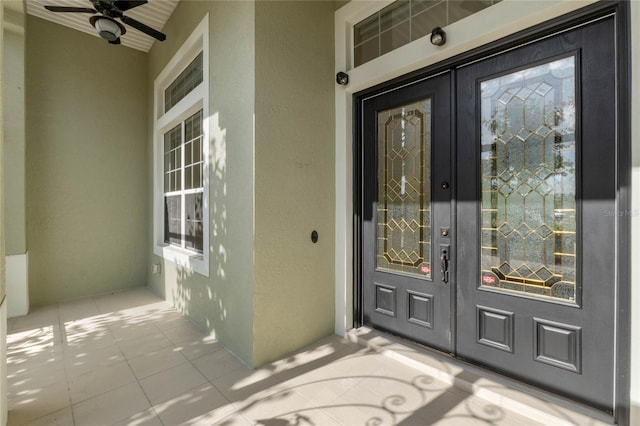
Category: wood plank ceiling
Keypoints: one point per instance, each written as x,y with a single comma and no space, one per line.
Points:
154,14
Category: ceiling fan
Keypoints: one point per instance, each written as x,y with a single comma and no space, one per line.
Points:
106,25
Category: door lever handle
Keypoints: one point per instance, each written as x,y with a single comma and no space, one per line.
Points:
444,265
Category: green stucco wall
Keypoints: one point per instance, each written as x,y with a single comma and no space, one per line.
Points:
270,290
14,133
86,165
221,304
294,290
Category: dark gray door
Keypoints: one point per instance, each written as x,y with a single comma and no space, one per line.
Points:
406,212
536,132
535,212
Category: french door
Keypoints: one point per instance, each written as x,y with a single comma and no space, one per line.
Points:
514,266
407,211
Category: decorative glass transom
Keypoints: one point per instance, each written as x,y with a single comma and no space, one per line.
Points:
406,20
404,189
528,172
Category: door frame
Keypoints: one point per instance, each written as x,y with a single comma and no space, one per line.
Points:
622,381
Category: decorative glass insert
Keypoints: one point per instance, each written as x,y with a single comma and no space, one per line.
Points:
188,80
404,189
528,167
184,184
404,21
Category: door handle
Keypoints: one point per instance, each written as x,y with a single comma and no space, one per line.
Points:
444,264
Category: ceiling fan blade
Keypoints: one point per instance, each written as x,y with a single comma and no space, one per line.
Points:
142,27
70,9
128,4
116,41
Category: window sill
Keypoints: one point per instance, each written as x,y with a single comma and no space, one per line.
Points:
195,262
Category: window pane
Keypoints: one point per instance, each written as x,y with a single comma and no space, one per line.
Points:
172,139
172,221
529,181
366,29
394,14
188,80
395,37
187,177
193,126
193,151
366,51
461,9
423,23
167,163
197,150
404,191
172,158
188,153
197,176
193,211
418,6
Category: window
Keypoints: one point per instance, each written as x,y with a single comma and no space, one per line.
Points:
181,148
183,184
188,80
406,20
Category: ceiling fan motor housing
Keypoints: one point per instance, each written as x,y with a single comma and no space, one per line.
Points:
107,28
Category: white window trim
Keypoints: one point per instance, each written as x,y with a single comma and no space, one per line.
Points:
197,99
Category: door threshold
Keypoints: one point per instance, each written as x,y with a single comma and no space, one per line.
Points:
500,390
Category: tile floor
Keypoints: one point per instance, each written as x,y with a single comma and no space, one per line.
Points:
128,358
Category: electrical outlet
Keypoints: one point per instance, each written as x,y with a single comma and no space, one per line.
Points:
155,268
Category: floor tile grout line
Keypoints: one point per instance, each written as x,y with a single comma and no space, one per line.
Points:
104,393
151,405
191,361
187,361
159,372
101,393
64,349
136,379
125,359
63,334
174,345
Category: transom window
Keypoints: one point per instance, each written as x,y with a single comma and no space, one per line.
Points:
404,21
188,80
181,152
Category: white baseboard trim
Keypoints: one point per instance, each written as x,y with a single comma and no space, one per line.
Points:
17,285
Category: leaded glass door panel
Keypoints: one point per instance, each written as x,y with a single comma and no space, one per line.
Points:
406,158
536,155
528,175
